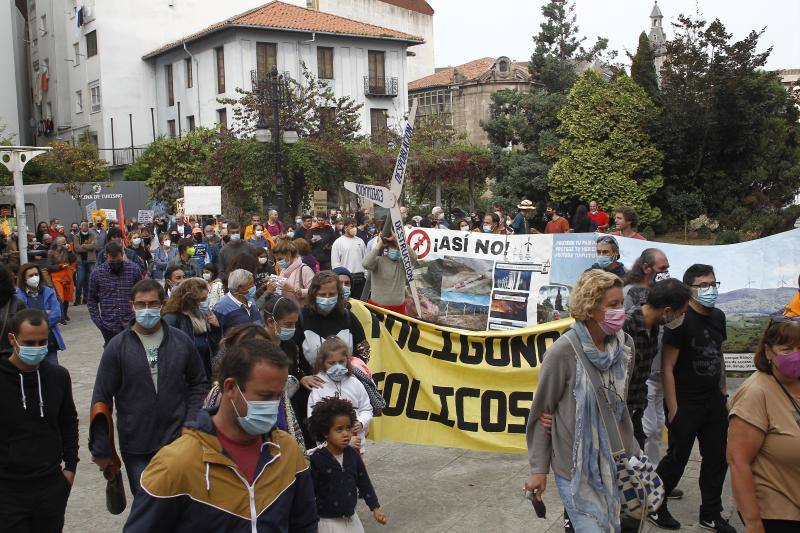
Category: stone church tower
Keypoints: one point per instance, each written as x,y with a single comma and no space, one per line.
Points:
658,39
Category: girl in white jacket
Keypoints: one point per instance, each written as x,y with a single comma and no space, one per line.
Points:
333,368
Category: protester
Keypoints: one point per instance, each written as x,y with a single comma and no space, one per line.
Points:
325,315
665,305
153,376
626,220
36,295
581,222
332,366
238,305
339,474
764,433
179,227
556,223
649,268
346,280
85,247
162,257
306,223
200,249
173,277
275,226
110,287
216,290
10,305
296,274
598,216
213,244
349,252
39,431
249,230
693,369
491,224
260,238
137,244
439,218
465,224
187,310
304,251
520,224
184,259
590,497
115,235
321,237
608,257
61,266
223,455
266,267
388,275
41,231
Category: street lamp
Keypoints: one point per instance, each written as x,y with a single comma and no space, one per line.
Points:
273,91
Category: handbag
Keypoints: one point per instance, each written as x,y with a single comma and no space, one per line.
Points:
115,489
641,490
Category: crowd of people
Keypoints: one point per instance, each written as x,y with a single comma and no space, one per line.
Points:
231,348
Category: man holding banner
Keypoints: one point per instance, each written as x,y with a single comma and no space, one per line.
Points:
388,281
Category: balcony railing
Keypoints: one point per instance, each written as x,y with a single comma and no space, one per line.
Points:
118,157
380,86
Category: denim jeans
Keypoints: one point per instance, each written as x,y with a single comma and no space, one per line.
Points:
581,523
82,283
135,463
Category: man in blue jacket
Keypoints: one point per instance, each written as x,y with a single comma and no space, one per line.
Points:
232,470
154,374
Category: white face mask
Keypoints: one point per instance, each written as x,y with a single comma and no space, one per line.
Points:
167,243
259,233
262,260
207,276
32,282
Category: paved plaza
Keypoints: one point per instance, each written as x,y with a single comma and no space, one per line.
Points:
421,488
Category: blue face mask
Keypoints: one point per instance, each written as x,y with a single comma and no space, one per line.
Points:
707,297
346,291
286,334
202,308
283,264
337,372
32,355
148,318
261,416
604,261
251,293
327,304
393,254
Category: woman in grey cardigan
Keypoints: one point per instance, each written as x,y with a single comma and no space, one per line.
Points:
576,447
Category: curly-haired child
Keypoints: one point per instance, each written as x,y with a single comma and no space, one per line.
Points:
338,472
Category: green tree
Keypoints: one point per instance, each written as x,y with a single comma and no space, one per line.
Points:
527,121
643,68
728,129
606,152
170,163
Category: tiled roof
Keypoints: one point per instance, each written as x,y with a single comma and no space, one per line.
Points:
420,6
281,16
470,71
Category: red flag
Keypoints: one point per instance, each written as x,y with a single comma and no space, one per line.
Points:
121,219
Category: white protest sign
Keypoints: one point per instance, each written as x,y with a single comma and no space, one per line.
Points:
111,214
145,216
91,207
379,195
739,362
202,200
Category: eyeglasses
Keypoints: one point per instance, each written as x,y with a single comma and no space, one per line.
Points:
707,285
139,306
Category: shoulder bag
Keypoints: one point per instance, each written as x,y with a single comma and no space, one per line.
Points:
641,490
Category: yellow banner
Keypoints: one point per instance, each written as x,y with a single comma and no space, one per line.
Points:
451,387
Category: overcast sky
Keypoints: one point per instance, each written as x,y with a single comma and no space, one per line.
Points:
470,29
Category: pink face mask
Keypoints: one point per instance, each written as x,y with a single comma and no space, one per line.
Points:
788,365
613,321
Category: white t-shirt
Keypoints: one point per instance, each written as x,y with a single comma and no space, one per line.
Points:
151,344
348,252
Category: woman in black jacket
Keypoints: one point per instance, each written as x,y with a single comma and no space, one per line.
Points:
9,305
187,310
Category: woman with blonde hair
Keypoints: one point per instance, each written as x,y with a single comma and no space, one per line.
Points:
187,309
764,433
577,446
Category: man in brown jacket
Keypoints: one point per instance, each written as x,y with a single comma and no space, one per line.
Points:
86,250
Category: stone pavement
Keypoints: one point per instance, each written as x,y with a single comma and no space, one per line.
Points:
421,488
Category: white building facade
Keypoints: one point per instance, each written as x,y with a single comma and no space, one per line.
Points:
14,85
98,83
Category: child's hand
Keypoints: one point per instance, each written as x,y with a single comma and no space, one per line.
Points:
379,516
355,442
358,426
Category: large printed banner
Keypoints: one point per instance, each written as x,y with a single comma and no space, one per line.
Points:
451,387
480,281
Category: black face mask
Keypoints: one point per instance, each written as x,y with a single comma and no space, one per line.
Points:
148,240
198,237
115,266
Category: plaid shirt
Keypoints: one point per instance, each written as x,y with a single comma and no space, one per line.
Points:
646,348
109,299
